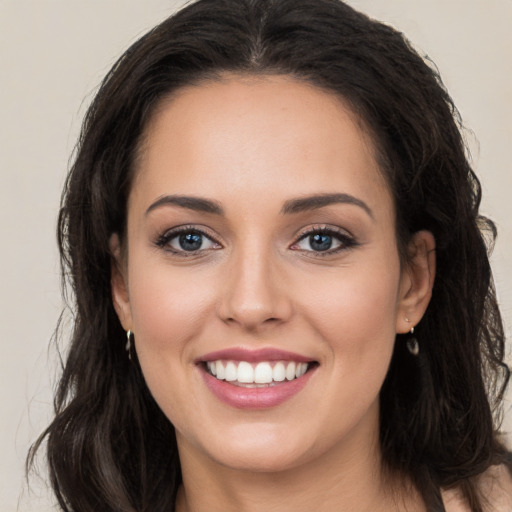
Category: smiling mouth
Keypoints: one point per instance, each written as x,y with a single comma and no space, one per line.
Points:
257,375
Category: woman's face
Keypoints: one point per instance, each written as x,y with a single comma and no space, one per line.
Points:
261,245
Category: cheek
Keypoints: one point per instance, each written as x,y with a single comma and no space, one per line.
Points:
354,300
168,305
354,315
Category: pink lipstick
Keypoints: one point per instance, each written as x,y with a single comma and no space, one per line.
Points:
255,379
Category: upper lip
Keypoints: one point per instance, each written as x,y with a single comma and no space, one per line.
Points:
253,356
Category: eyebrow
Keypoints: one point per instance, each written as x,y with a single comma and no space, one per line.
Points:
291,206
197,204
321,200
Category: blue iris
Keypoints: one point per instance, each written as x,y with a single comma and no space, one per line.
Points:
320,242
191,241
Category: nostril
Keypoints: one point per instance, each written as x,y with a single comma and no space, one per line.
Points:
252,319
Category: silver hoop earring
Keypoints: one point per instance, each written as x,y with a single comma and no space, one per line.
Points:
128,346
412,344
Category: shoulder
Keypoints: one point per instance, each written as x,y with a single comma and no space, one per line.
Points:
495,488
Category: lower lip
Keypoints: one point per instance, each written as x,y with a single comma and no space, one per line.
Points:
255,398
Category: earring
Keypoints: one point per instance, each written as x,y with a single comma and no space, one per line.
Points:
412,344
128,346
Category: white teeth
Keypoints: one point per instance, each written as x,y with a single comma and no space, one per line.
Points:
290,371
220,372
278,372
301,370
245,373
261,373
231,373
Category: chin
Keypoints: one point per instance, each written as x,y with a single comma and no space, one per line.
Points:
258,460
265,449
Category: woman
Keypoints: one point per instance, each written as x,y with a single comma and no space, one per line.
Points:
283,294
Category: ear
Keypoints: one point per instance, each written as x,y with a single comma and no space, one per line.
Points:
416,281
119,283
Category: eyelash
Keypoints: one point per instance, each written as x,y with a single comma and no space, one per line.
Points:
164,240
346,241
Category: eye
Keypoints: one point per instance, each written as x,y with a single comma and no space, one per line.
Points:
187,240
324,240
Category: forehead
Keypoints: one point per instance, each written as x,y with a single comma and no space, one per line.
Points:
272,136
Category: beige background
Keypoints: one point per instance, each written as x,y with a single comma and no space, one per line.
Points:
52,56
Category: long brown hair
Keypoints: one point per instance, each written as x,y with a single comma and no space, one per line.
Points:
110,447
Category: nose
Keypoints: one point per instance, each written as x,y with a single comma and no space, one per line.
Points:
254,294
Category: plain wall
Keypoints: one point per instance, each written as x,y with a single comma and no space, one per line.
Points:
54,53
